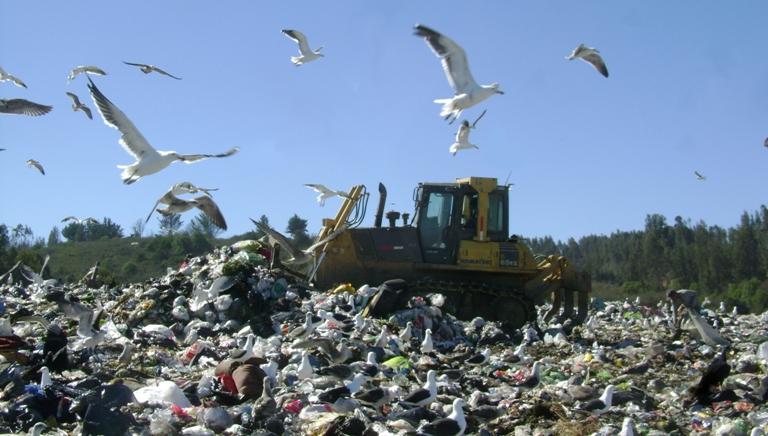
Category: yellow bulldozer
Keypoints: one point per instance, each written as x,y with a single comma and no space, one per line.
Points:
457,243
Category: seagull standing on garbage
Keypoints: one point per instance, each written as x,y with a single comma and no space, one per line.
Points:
146,69
591,56
5,77
33,163
331,395
453,425
627,427
467,92
600,405
325,193
480,358
462,137
533,379
427,345
407,333
425,395
88,69
377,397
305,370
307,54
45,378
246,352
148,160
77,105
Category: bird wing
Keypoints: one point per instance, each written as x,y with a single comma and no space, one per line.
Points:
277,237
136,64
165,73
320,189
191,158
698,175
85,69
597,62
16,81
166,198
74,98
765,143
298,38
69,218
452,57
132,140
333,235
23,107
211,210
87,111
463,134
37,165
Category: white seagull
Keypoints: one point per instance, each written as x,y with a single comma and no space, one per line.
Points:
5,77
76,105
453,425
307,54
427,346
88,69
425,395
599,405
467,92
590,55
33,163
699,176
148,160
325,193
146,69
176,205
83,221
20,106
462,136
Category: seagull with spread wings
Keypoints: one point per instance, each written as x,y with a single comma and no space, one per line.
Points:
325,193
5,77
33,163
76,105
699,176
591,56
20,106
298,257
466,92
146,69
307,54
175,205
462,136
82,221
148,160
88,69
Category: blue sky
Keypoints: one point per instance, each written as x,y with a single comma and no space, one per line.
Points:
588,155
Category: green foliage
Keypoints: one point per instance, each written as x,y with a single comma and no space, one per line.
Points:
169,224
297,228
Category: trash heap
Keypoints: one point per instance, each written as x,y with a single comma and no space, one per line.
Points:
223,345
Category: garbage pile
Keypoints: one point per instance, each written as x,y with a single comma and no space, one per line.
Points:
223,345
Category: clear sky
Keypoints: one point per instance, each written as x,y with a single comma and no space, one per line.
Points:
688,91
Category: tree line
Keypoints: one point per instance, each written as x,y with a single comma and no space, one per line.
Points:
728,264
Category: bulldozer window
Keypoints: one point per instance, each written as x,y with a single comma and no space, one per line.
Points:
436,219
469,211
495,213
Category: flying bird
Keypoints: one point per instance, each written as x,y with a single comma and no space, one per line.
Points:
298,257
175,205
33,163
88,69
148,160
146,69
5,77
325,193
590,55
462,136
765,143
21,106
699,176
467,92
307,54
77,105
83,221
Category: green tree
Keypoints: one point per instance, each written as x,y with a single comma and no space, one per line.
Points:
204,225
745,256
74,232
262,220
169,224
54,237
137,229
297,228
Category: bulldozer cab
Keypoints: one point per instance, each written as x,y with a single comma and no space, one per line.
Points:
471,209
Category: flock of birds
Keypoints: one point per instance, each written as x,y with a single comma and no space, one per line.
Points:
148,160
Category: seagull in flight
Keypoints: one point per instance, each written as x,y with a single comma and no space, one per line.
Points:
148,160
5,77
765,143
298,257
307,54
20,106
33,163
176,205
325,193
466,92
699,176
88,69
82,221
77,105
590,55
146,69
462,136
